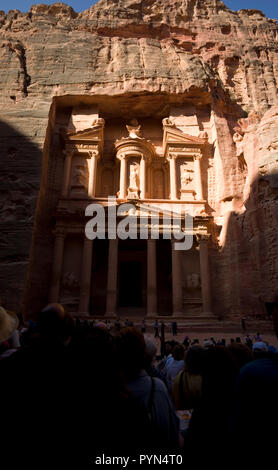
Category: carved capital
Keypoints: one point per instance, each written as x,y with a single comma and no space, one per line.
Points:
197,156
172,156
121,156
94,154
67,153
203,237
59,232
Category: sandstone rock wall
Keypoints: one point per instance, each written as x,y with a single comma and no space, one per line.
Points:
188,50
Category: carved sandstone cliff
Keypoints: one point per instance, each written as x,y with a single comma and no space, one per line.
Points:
192,50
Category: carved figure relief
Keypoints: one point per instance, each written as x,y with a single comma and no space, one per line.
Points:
193,281
80,176
134,129
186,176
70,281
133,188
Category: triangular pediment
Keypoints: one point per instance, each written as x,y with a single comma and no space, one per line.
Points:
175,136
86,135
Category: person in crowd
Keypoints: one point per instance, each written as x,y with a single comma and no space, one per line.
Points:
209,427
9,335
186,342
186,392
255,413
248,341
241,354
54,372
243,324
258,338
260,350
166,361
150,393
177,364
162,331
156,329
208,343
150,357
174,328
143,327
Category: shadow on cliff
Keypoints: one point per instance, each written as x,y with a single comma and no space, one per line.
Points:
247,261
20,177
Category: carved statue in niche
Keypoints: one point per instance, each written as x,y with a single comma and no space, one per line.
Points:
133,189
80,176
70,281
193,281
186,176
134,129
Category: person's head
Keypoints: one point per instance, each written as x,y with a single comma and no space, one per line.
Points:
168,347
54,324
238,340
150,353
131,348
260,350
219,374
194,360
240,353
178,352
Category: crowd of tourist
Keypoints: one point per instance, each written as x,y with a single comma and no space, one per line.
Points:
73,389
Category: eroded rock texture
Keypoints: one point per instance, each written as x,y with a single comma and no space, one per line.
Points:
184,52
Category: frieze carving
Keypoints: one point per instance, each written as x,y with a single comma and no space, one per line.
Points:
182,149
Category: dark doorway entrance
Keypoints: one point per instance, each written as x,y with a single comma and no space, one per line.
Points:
130,289
99,277
132,277
164,276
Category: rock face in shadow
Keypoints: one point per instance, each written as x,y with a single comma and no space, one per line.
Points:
191,51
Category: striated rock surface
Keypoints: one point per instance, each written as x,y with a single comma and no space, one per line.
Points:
196,51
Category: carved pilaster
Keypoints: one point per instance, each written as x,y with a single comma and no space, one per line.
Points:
173,176
205,271
57,264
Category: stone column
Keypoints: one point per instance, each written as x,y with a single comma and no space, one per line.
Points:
176,281
151,279
112,282
143,177
123,173
57,265
66,175
173,177
198,177
86,272
92,174
205,273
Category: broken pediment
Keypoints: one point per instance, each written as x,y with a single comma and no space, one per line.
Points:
91,136
176,140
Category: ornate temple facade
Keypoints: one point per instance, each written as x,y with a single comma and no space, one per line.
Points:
160,167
